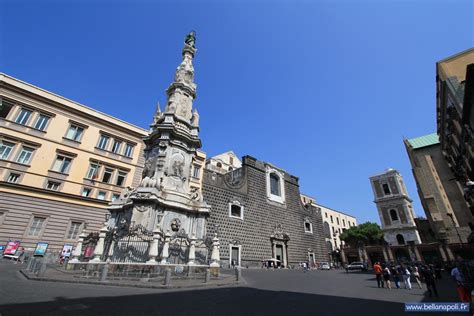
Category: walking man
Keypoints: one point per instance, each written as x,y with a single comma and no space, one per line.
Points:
378,274
406,277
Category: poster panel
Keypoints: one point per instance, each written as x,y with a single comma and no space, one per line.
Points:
67,251
11,248
41,248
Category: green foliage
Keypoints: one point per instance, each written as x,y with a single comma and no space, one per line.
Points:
363,235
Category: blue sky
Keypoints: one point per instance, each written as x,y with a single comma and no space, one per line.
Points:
323,89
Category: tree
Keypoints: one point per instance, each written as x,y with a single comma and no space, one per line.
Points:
362,235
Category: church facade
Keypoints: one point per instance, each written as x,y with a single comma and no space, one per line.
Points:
257,213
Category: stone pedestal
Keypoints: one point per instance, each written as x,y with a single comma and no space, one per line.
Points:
99,248
192,251
153,252
165,254
78,250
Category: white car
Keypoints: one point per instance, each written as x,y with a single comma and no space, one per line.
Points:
324,266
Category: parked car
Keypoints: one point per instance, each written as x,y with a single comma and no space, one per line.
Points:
357,265
324,266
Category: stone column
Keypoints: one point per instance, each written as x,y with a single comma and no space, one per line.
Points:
215,258
285,263
165,254
153,252
192,250
343,256
384,253
99,248
441,251
78,250
417,253
390,254
449,253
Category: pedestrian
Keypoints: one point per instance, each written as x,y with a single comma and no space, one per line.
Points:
416,274
396,277
378,274
386,277
406,277
463,290
305,267
428,275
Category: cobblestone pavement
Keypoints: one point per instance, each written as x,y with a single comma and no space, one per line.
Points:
282,292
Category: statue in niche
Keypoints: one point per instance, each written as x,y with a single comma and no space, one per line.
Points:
191,39
178,168
175,224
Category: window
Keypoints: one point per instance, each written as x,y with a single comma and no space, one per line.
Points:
116,146
107,175
3,215
103,141
93,171
343,223
74,230
115,197
393,215
36,226
128,150
275,184
196,171
400,239
326,214
5,108
386,189
74,132
54,186
101,195
308,228
337,220
13,178
41,122
236,210
25,155
121,178
231,160
62,164
23,116
5,149
219,165
86,192
332,221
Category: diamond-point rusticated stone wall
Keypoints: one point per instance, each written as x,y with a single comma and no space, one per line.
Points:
247,185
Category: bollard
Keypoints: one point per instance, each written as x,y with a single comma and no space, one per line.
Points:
42,269
208,276
30,264
167,276
34,265
103,275
238,274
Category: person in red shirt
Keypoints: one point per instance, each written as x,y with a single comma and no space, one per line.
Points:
378,274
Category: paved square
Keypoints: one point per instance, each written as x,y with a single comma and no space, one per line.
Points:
265,292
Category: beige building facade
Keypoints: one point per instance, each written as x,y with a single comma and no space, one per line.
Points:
224,162
334,223
441,197
61,163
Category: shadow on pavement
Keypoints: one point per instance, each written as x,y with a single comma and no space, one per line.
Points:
224,301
